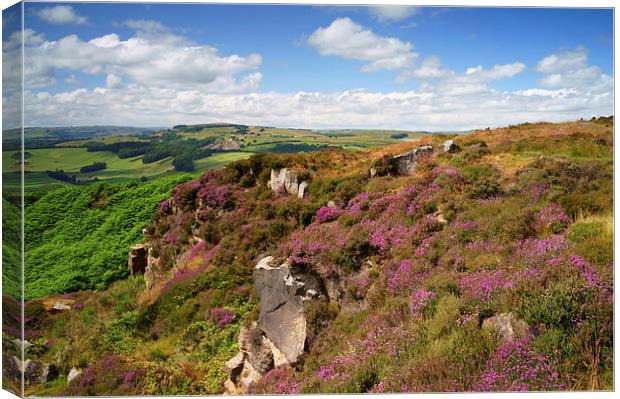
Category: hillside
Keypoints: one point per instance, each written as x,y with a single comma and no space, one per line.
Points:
132,154
486,265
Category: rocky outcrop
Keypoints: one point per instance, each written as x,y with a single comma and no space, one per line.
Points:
279,336
405,163
254,359
506,325
450,146
137,259
152,264
283,290
286,180
35,372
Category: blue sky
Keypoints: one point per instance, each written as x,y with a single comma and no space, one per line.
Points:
282,51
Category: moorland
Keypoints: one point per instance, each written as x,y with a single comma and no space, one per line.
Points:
413,262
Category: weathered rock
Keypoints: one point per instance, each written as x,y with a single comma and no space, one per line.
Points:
334,289
50,372
11,367
36,372
234,366
73,374
254,359
60,306
256,351
286,180
331,204
450,146
373,172
138,259
152,264
406,162
506,325
302,189
283,291
149,278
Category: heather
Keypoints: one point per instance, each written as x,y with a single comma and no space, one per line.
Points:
425,262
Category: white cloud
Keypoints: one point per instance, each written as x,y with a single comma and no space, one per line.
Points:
392,13
156,78
432,107
430,68
153,56
565,61
60,15
347,39
570,69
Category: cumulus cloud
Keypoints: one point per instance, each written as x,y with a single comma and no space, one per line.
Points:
392,13
432,107
347,39
156,78
570,69
60,15
153,56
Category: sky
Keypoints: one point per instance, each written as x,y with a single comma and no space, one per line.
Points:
388,67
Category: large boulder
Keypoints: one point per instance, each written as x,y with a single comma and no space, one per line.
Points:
137,259
405,163
286,180
506,325
279,336
283,290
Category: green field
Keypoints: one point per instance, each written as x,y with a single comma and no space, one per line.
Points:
72,159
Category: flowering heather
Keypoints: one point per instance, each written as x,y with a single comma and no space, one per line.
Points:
381,339
419,299
278,381
189,274
77,305
106,374
197,249
327,214
534,251
443,169
481,285
164,206
588,272
215,195
514,366
551,217
360,284
535,191
184,194
222,316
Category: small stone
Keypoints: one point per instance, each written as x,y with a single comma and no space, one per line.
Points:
506,325
60,306
73,374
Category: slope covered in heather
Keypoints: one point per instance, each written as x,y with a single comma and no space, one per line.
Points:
515,228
